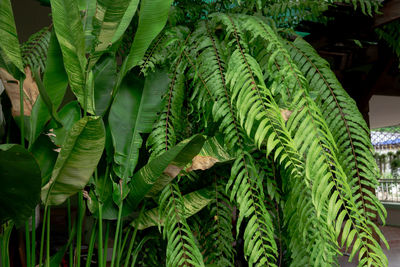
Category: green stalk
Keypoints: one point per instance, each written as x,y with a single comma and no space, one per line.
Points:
22,131
81,211
128,256
48,240
106,243
100,243
91,244
71,246
33,258
42,236
116,234
5,234
21,111
121,248
27,244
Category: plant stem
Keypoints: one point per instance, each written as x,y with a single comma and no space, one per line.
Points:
100,242
21,111
48,239
33,257
81,211
5,233
42,235
116,234
71,246
121,248
27,244
106,243
128,256
91,244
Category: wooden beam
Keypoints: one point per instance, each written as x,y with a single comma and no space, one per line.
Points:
390,12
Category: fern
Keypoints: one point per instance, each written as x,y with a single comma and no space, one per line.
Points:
181,249
311,131
259,90
34,51
350,130
163,135
217,232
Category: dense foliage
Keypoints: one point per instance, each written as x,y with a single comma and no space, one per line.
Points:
219,138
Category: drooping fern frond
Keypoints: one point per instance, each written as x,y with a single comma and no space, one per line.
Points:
34,51
347,125
311,131
260,92
218,236
163,135
259,243
182,249
159,51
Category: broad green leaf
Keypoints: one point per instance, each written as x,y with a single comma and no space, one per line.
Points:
103,192
76,161
161,170
104,74
89,9
152,19
20,183
55,81
46,99
69,29
133,112
68,115
9,44
193,202
44,152
111,20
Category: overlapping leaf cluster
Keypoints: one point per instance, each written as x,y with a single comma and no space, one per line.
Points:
270,95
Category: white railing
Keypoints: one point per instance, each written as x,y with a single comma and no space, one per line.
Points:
388,190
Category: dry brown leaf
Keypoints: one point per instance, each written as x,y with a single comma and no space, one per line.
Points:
286,114
202,163
172,170
11,86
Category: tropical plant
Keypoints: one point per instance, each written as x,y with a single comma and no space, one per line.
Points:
223,129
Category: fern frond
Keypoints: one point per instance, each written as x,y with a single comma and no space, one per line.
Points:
348,127
181,249
159,51
34,51
218,237
314,139
163,135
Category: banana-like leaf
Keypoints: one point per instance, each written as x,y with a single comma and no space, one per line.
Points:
68,115
55,81
152,19
20,183
45,155
110,22
69,30
76,161
133,112
103,192
9,44
104,75
161,170
194,202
